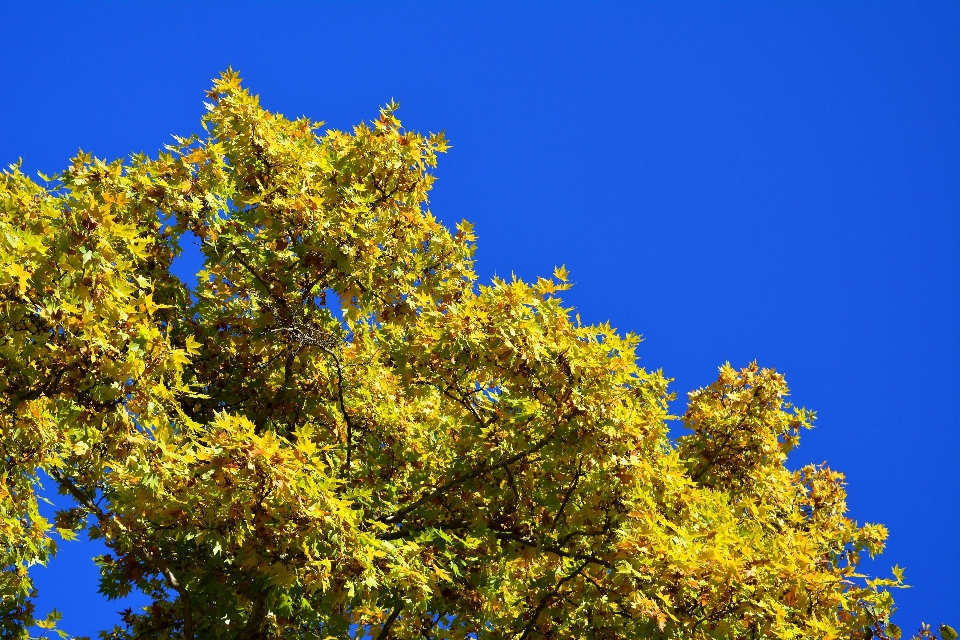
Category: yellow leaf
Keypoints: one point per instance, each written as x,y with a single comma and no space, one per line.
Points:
20,273
192,346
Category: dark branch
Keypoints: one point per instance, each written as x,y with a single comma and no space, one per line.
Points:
384,633
398,517
139,551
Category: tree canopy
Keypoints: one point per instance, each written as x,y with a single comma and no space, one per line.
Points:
339,432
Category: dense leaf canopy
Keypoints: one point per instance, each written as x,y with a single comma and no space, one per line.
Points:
339,432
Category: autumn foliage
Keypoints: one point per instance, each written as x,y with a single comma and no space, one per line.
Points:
339,432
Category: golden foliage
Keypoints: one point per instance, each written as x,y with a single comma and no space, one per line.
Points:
338,432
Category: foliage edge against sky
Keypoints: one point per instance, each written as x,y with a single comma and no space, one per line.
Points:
434,458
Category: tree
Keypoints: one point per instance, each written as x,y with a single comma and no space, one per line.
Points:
338,431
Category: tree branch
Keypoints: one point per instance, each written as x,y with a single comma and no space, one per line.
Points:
566,497
563,553
398,516
140,552
727,437
342,405
525,632
384,632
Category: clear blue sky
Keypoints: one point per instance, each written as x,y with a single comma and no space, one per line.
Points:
735,181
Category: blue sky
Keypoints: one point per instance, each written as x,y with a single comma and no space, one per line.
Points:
734,181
